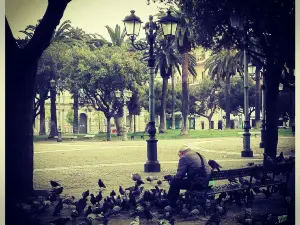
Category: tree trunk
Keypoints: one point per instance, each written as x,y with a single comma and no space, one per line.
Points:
42,117
108,130
257,97
21,67
130,122
209,122
134,123
162,124
273,74
173,102
185,96
118,122
53,126
227,99
75,107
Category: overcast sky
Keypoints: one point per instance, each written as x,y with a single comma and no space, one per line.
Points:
90,15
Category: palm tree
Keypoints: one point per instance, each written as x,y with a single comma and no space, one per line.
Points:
185,43
222,65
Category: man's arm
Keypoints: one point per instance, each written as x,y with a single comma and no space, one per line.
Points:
182,168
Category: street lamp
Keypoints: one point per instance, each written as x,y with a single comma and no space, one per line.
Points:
124,97
238,21
168,26
55,86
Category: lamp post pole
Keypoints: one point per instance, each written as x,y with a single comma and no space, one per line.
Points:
132,26
247,152
239,22
59,138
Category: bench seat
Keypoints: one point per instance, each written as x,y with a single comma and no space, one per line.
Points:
89,136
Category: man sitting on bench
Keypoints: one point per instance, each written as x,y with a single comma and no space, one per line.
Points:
190,164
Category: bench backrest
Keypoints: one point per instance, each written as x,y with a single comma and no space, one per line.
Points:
249,171
233,173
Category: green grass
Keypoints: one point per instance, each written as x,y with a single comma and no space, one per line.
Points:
170,134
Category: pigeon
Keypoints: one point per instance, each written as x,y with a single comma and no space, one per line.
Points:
54,183
58,208
121,191
93,199
60,221
250,164
85,194
113,193
159,182
280,158
151,178
99,197
214,165
136,177
58,190
101,184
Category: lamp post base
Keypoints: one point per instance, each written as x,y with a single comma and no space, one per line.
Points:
152,165
247,153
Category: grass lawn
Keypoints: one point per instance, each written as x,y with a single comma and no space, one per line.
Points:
170,134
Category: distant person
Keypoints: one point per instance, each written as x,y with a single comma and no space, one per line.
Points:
190,164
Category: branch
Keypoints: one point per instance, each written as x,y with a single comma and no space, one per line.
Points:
44,31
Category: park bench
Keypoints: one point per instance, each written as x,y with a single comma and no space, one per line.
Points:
67,137
272,171
89,136
255,133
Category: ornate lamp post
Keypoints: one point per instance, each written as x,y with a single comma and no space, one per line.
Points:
237,21
124,97
168,26
263,121
56,86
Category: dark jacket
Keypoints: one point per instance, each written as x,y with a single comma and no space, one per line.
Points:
190,164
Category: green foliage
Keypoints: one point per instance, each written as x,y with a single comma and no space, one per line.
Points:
203,98
237,96
70,117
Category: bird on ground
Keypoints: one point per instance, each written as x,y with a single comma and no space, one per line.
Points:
101,184
159,182
60,221
112,193
280,158
99,197
58,190
54,183
136,177
85,194
80,205
121,191
151,178
139,182
93,199
58,208
214,165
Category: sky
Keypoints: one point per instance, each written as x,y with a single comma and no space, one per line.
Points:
90,15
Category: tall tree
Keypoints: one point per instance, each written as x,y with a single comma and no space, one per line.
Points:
21,65
117,38
204,99
222,65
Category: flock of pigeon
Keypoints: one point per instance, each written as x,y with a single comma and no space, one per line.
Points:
151,205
